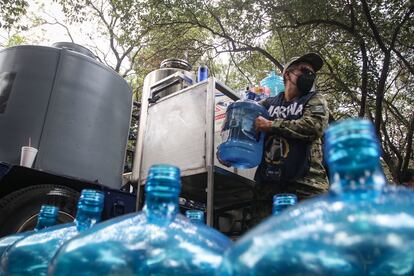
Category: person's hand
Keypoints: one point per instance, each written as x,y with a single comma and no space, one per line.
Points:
262,124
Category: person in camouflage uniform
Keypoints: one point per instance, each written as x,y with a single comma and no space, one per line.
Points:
292,159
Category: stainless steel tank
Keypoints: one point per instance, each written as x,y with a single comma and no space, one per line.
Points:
167,68
74,109
172,76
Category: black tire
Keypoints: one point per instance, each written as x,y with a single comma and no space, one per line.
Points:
19,210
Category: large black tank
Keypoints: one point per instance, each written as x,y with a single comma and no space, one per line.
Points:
75,110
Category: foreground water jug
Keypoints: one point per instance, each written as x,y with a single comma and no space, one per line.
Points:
195,216
31,255
283,201
274,83
47,217
360,228
241,147
157,241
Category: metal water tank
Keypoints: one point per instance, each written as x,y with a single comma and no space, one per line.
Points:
167,68
172,76
74,109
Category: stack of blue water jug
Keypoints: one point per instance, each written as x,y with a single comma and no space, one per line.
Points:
361,227
31,254
156,241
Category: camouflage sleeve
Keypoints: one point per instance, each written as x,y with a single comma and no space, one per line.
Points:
310,126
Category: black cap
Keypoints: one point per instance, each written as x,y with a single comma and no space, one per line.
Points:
313,59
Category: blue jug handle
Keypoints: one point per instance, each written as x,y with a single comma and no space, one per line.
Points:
260,136
257,137
233,123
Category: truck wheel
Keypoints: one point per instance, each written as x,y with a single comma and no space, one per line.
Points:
19,210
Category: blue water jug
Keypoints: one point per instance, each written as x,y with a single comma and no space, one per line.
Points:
195,216
202,73
157,241
47,217
282,202
274,83
31,255
241,146
359,228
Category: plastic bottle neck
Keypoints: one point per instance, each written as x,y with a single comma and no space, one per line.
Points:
90,207
352,152
85,218
367,180
278,209
162,189
282,202
47,217
195,216
44,222
161,208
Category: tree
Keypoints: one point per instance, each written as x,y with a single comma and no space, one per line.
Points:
367,48
11,12
135,47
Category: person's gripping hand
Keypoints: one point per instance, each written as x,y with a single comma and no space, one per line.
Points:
262,124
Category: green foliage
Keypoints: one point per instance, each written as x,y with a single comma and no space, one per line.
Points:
15,40
11,12
366,46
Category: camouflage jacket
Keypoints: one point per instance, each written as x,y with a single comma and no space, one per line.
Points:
299,120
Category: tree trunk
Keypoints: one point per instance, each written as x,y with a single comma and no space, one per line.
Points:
364,79
380,93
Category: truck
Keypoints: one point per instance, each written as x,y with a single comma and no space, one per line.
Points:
77,112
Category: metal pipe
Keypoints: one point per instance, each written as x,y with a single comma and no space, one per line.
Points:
210,108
